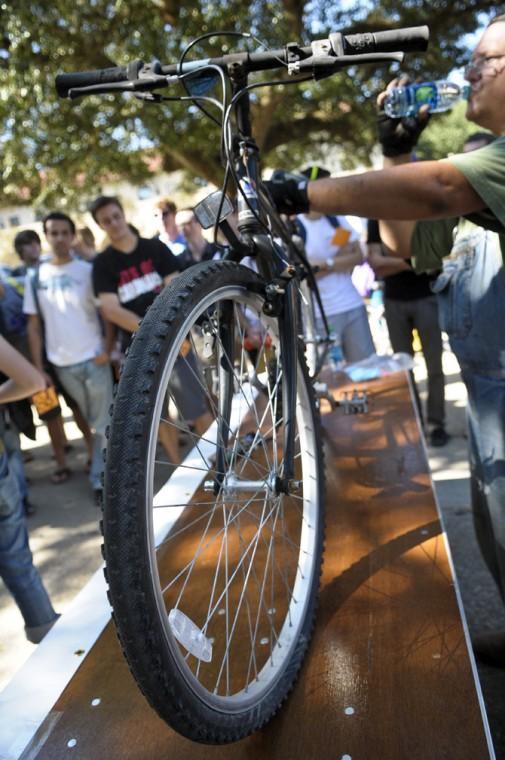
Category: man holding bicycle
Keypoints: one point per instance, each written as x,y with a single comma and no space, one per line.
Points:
447,198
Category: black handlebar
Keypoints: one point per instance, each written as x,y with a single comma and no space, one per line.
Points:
363,47
413,39
66,82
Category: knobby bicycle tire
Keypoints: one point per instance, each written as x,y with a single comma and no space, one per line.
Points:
218,680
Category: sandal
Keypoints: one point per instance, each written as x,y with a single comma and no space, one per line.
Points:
60,475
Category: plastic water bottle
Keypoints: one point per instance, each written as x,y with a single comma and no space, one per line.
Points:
438,96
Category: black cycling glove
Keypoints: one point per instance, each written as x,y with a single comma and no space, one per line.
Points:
288,192
399,136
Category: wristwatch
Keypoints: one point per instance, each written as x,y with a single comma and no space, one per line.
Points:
330,261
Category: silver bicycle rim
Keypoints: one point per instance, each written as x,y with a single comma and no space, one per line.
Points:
271,641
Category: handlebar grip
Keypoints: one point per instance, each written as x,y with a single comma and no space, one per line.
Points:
410,40
66,82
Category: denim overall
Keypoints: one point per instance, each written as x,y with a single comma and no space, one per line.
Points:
471,296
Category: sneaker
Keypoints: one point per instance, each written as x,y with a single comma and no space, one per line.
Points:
36,633
439,437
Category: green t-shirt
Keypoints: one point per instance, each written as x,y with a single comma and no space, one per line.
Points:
485,171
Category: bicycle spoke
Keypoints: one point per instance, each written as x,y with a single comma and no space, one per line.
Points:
233,564
197,554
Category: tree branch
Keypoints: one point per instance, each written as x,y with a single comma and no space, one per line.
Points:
294,15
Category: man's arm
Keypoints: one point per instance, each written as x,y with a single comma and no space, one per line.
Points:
110,331
112,311
421,190
35,341
396,235
383,265
348,257
24,379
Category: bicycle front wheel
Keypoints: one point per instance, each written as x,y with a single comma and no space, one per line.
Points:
213,572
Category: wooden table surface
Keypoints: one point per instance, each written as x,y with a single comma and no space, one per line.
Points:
388,675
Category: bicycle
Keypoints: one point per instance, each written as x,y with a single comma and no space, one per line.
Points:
213,565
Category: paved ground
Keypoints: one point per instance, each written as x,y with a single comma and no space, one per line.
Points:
65,540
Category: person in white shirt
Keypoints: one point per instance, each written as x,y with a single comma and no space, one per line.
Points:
59,300
332,243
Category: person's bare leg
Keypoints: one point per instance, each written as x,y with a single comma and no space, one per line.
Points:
58,440
85,429
168,436
202,423
61,428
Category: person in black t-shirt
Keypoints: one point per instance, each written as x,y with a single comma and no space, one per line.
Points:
129,273
127,277
410,303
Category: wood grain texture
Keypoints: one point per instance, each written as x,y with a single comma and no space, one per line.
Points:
388,674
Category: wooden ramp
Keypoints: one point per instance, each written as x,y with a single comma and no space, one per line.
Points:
389,675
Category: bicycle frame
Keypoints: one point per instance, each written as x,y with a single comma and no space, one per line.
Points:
321,59
253,552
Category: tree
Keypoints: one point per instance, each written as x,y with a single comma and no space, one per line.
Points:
446,134
57,152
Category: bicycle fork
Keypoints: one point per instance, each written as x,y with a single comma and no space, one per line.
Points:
277,482
288,323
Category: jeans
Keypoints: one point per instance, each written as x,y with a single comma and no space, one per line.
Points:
16,562
354,332
486,415
10,438
421,314
90,385
471,294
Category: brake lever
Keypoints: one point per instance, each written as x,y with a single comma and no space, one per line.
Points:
323,65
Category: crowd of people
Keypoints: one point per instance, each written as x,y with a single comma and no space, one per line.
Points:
71,312
436,247
66,316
